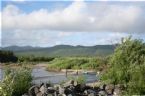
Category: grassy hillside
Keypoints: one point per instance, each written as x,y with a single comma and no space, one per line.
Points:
63,50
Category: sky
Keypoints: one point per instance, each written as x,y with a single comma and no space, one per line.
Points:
87,23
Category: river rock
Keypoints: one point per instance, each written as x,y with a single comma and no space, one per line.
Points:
69,90
117,90
109,89
25,94
48,85
39,94
83,86
61,90
70,95
120,86
75,83
97,89
50,95
43,89
71,82
90,92
102,87
33,90
102,93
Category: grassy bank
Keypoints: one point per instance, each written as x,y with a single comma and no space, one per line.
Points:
95,63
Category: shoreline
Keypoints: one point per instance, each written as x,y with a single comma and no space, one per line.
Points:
44,65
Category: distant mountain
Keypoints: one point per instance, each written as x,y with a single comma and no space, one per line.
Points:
63,50
19,48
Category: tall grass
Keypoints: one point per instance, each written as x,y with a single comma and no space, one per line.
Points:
77,63
16,82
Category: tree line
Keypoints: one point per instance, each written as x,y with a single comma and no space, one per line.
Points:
9,56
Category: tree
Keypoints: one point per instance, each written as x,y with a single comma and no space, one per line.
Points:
127,66
7,56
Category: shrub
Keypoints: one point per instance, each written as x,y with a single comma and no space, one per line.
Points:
77,63
80,79
15,82
127,66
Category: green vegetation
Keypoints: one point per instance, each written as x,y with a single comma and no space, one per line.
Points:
15,82
34,59
7,56
80,80
63,50
127,67
77,63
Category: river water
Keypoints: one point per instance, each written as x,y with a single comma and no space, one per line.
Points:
1,74
41,75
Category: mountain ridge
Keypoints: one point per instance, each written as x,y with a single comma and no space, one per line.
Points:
63,50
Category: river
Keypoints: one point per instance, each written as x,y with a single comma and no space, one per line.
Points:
41,75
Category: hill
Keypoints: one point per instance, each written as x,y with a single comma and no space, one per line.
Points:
62,50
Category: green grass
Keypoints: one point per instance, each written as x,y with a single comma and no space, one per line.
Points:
77,63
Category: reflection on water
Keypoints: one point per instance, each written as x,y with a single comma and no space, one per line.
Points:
41,75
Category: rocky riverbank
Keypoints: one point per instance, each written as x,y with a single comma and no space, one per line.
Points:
73,88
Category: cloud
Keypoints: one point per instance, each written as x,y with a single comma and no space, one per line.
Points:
45,38
63,34
33,37
78,16
19,0
107,22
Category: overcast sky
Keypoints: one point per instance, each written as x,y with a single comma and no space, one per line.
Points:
49,23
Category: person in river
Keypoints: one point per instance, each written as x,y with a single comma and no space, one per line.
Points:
66,72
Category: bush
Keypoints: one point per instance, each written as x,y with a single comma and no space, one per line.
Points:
15,82
80,79
127,66
77,63
34,59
